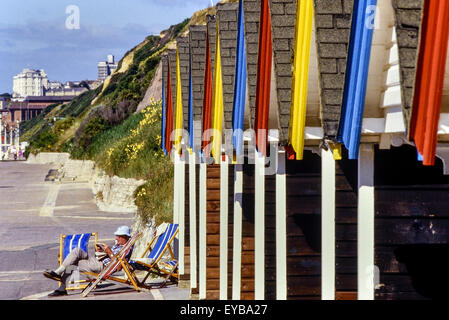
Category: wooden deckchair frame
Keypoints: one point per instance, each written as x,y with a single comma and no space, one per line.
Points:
117,259
79,284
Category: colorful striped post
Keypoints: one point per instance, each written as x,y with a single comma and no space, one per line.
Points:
178,114
303,36
217,125
169,112
240,83
163,120
263,82
350,126
428,95
207,101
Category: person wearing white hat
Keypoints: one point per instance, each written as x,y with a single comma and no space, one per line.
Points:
84,262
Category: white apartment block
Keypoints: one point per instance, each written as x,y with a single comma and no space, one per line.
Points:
30,83
105,68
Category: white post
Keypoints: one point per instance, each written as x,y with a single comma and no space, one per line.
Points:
181,214
202,231
175,158
237,232
281,228
365,223
327,225
259,227
192,219
224,229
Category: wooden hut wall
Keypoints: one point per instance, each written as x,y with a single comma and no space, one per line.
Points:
412,223
346,186
270,237
248,258
213,231
248,245
304,227
186,275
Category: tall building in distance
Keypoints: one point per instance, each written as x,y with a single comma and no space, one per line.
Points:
105,68
30,83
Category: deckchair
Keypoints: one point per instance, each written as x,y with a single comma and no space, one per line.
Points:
107,274
151,258
67,243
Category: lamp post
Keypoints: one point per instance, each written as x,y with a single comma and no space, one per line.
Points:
17,133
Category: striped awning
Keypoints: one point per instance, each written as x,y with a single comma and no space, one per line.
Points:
428,94
350,126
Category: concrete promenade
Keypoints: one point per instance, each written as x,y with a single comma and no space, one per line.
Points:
33,213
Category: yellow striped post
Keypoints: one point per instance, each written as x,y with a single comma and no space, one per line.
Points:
217,123
178,115
303,35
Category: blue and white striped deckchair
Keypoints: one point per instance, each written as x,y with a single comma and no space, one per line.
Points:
67,243
151,258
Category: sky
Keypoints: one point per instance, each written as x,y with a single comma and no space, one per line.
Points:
67,38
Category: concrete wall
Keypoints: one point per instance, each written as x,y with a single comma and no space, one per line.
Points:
115,194
48,158
111,194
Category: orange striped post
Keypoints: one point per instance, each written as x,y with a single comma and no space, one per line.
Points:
207,101
430,79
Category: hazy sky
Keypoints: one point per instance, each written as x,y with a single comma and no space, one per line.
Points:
34,34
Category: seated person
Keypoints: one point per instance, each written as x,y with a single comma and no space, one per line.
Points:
90,263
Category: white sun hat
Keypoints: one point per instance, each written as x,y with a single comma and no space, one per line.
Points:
123,231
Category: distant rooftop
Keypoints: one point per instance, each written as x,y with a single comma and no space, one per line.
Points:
49,98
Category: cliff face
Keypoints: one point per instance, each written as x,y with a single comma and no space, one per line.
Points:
154,91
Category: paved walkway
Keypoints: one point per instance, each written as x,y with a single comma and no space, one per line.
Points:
33,214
